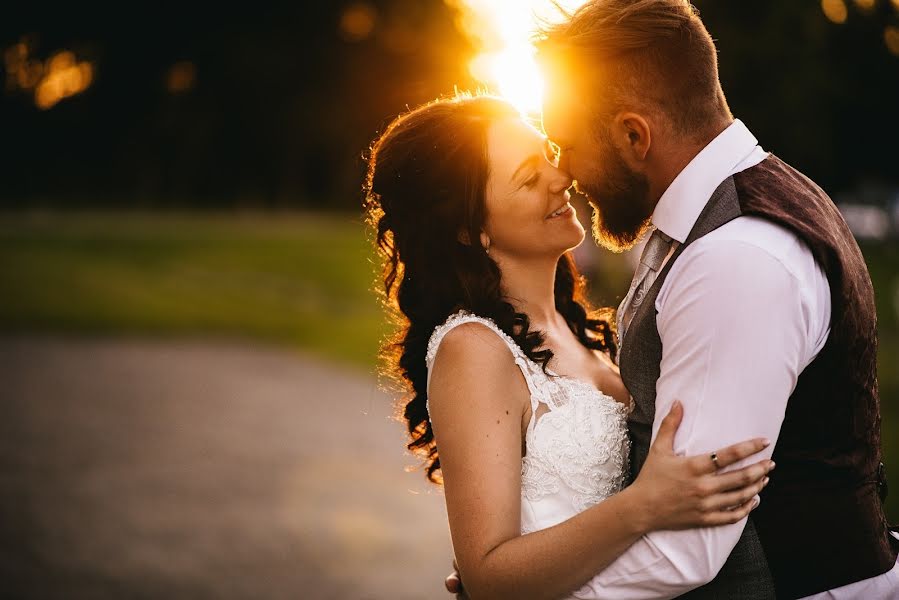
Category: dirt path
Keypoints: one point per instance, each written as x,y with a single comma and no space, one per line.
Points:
151,469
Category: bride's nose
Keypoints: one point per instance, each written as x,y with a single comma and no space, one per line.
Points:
560,182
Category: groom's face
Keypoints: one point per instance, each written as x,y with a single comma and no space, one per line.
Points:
619,195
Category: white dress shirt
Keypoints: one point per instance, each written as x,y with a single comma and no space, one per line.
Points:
741,313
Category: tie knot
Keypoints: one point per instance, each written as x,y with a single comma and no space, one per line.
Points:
656,250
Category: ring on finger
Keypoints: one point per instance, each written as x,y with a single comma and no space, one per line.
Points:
714,457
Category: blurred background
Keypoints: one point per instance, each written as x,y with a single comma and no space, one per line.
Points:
189,333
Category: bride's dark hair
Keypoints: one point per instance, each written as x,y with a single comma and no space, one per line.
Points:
426,182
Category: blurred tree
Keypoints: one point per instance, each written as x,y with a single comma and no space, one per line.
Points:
278,112
823,96
274,104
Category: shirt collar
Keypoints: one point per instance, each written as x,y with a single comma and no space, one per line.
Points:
680,205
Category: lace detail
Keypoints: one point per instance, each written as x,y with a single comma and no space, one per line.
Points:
581,446
577,451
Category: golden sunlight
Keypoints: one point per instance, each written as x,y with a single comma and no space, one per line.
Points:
501,31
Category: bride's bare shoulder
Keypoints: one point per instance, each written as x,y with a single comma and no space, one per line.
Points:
473,360
472,344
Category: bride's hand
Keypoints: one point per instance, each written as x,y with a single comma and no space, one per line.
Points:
686,492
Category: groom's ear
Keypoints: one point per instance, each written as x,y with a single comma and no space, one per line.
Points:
634,134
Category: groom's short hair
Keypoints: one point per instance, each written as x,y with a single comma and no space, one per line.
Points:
651,53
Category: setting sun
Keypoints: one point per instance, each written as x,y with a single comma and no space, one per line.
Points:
502,32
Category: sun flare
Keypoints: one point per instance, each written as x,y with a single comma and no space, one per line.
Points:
501,31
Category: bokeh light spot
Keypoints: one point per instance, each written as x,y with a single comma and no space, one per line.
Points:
891,39
835,10
358,21
63,76
181,77
60,76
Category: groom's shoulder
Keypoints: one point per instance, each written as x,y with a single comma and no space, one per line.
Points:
756,231
749,237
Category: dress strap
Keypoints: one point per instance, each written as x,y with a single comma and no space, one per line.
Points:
528,368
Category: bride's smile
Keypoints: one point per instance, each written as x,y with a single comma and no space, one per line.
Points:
527,200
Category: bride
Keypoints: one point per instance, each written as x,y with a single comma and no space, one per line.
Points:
513,397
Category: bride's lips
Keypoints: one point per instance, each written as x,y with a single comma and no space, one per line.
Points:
561,211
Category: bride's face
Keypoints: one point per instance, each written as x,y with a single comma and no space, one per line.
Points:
528,214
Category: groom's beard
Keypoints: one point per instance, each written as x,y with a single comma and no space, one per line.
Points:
622,207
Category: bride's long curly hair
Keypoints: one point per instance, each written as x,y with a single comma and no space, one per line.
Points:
426,182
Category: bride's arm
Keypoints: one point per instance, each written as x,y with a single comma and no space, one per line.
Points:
477,401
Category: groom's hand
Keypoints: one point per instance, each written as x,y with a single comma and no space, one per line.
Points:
453,583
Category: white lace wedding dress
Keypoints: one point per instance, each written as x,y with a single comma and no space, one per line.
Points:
576,452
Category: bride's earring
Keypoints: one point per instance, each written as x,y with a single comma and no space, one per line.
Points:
485,242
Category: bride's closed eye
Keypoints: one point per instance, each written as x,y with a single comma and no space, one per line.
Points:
551,154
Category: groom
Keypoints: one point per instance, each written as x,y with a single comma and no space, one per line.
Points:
752,305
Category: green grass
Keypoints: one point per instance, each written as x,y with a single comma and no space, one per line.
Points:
298,280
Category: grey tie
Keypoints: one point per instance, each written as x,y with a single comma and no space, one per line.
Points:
651,260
